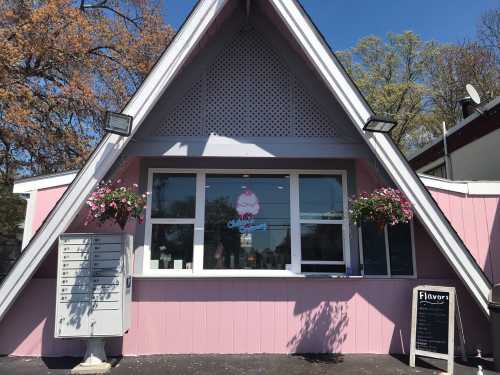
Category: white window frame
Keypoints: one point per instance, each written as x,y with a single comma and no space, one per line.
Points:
199,226
344,222
388,255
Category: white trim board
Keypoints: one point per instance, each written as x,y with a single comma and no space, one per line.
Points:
336,80
463,187
27,185
28,218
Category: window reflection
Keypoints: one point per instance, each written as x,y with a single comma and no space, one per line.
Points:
374,251
400,249
173,196
172,246
247,222
321,197
321,242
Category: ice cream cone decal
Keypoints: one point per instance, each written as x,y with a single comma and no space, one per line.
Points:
247,204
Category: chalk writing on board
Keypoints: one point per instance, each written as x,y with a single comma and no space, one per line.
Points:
432,321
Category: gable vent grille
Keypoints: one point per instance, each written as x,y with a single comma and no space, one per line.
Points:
247,91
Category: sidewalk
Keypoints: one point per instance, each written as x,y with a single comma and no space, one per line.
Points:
242,364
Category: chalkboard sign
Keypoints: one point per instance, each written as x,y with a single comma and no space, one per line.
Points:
433,323
433,308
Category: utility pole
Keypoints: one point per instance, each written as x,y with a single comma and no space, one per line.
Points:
447,161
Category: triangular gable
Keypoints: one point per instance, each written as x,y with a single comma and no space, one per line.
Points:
296,22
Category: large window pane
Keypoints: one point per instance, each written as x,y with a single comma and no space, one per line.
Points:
321,242
173,195
247,222
321,197
400,249
374,254
172,246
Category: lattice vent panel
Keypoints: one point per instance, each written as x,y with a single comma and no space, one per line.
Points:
310,119
187,117
250,92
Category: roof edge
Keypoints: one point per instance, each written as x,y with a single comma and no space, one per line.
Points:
28,184
455,129
464,187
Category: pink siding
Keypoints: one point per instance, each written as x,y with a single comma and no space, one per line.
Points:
366,178
129,174
477,221
45,200
242,316
354,315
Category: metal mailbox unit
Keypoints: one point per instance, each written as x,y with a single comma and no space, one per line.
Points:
93,285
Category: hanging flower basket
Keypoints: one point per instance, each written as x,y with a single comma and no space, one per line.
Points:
112,202
382,206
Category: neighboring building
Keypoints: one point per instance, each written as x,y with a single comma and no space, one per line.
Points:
473,149
251,101
41,193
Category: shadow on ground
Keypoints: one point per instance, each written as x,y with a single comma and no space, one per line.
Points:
324,364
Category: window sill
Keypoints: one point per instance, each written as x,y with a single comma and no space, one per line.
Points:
224,275
212,275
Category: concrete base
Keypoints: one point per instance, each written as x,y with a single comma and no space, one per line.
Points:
101,368
94,361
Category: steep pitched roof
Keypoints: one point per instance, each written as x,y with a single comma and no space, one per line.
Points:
322,59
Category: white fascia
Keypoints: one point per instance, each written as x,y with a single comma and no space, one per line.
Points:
491,188
30,184
382,146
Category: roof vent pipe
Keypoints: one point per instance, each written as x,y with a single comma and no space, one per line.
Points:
468,106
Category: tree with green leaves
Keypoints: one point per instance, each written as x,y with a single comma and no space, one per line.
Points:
391,76
419,84
448,69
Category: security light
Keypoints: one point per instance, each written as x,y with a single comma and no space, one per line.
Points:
379,124
118,123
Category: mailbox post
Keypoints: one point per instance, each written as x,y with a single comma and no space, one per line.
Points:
93,292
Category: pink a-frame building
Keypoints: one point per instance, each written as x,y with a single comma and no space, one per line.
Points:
249,104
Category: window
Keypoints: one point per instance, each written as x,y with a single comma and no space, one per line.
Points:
172,221
387,252
321,223
247,222
241,223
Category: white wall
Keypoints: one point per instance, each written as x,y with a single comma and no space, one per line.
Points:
479,160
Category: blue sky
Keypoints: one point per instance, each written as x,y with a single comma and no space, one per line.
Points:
343,22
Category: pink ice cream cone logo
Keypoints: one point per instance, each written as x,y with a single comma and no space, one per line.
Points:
247,204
